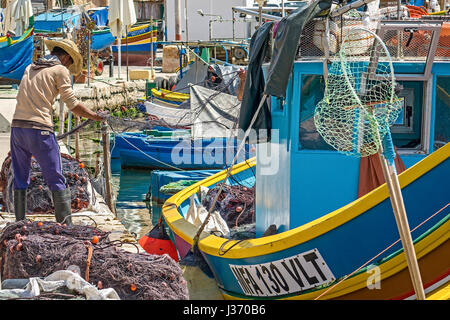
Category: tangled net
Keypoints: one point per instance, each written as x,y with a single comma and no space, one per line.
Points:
38,249
236,204
39,197
360,101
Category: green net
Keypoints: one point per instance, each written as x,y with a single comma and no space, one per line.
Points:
174,187
360,101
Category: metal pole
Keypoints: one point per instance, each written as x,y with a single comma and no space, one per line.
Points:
89,59
282,8
61,117
186,21
152,72
177,20
107,167
111,64
119,53
77,139
126,44
234,22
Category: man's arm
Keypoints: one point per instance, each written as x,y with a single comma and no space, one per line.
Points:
240,91
83,111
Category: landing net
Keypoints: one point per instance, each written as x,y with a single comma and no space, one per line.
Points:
360,101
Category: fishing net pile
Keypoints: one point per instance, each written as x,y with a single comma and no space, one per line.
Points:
38,249
236,204
360,101
39,196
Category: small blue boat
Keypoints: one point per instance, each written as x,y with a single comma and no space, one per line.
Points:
122,141
55,20
160,178
187,153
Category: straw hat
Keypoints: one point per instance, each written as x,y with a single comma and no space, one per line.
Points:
71,48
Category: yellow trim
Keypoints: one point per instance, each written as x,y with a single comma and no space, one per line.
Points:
441,293
210,244
387,269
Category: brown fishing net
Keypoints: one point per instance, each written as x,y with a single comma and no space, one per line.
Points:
236,204
37,249
39,197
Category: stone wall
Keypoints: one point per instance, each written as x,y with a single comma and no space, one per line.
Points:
107,96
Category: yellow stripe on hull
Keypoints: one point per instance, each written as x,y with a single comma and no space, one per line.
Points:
278,242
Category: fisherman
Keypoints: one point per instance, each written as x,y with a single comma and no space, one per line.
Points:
32,126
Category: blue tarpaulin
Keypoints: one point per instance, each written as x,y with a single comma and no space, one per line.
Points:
100,17
15,58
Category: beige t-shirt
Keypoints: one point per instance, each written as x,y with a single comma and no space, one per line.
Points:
37,93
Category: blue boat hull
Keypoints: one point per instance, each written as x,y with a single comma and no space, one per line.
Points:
317,254
15,58
136,151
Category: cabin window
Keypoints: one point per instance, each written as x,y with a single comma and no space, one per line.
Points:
442,127
312,92
406,131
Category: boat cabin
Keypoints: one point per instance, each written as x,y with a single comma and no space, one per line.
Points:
300,177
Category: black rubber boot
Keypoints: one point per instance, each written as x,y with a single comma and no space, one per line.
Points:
20,204
62,202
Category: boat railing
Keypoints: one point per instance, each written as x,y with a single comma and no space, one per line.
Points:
321,38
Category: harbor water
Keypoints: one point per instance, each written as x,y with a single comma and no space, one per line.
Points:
130,188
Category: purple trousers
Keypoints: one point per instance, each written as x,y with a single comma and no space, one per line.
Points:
43,146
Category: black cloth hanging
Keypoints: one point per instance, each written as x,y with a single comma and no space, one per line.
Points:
254,85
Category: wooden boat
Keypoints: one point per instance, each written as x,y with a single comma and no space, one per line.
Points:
340,243
119,141
177,153
102,39
168,96
160,178
16,53
55,20
139,45
331,243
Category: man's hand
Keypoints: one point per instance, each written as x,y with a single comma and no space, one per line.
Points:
82,111
240,91
242,74
102,115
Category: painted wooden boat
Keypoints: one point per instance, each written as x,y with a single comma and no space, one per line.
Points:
55,21
102,39
16,53
326,233
119,141
169,96
160,178
177,153
139,45
332,247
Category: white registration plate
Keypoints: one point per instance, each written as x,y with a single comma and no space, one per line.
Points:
297,273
